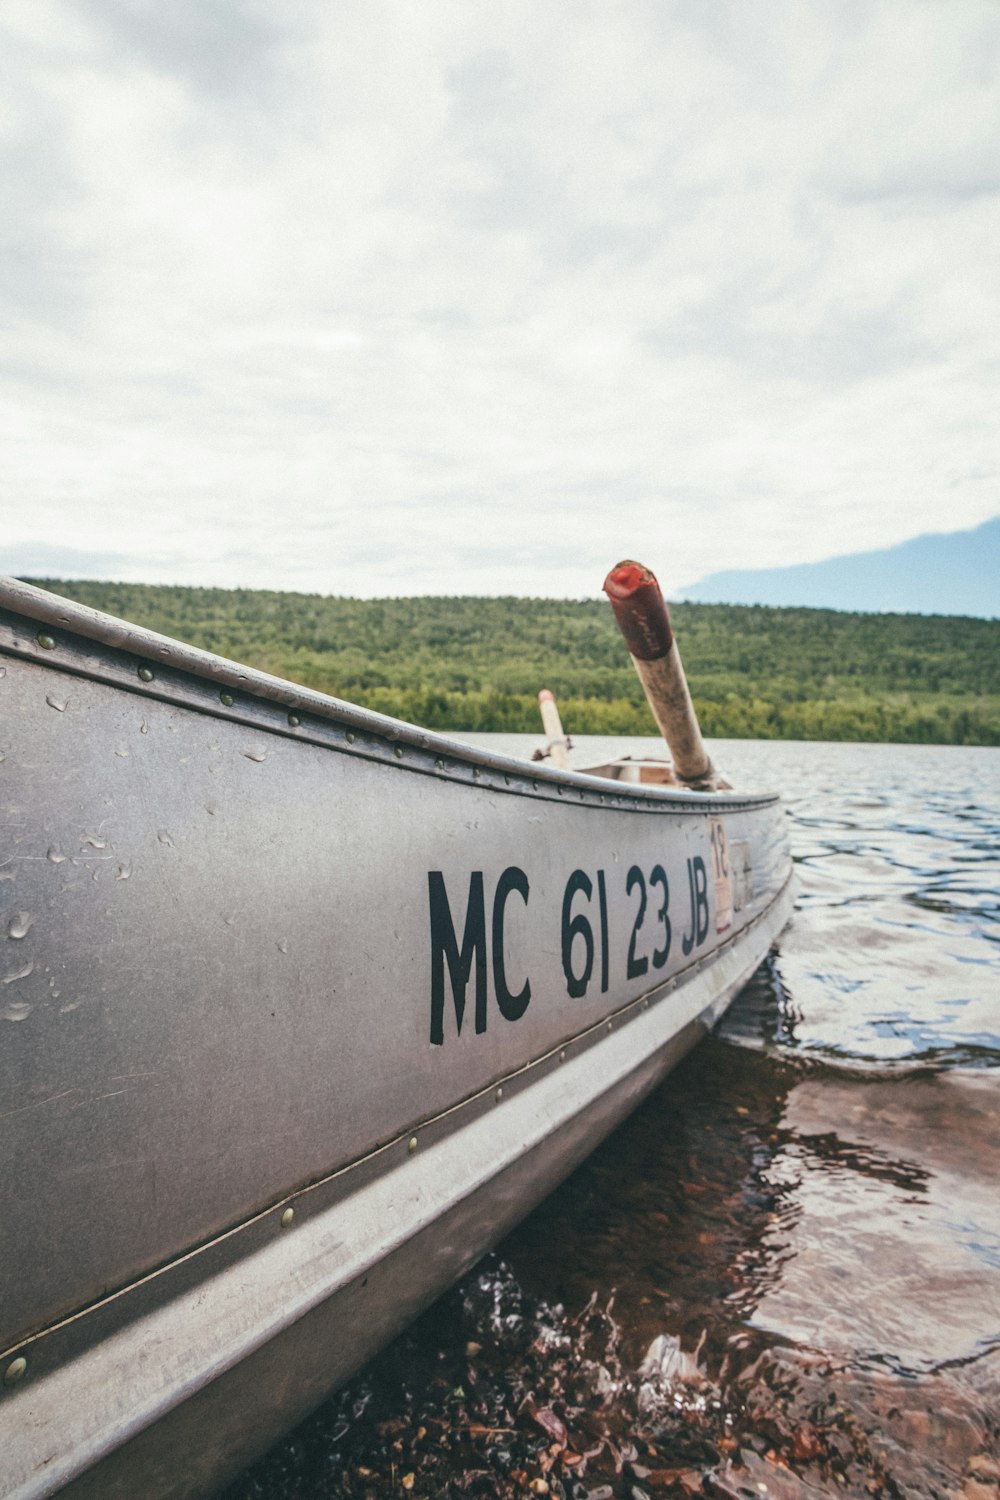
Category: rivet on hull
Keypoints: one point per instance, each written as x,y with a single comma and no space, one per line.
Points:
46,642
411,1144
287,1217
294,720
227,700
145,674
14,1371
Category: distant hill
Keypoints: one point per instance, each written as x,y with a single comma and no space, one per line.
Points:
466,663
953,574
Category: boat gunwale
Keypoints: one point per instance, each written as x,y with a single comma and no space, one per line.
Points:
41,607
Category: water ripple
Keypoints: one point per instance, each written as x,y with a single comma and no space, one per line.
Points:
891,959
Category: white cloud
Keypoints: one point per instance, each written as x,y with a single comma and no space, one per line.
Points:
458,297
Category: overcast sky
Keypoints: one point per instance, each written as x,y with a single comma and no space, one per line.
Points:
447,296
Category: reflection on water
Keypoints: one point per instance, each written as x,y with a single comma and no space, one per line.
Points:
889,1238
782,1275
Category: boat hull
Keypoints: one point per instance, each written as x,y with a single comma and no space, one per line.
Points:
309,1008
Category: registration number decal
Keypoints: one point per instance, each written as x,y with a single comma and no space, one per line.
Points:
473,938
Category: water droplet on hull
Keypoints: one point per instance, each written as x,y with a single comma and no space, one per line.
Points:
59,704
19,924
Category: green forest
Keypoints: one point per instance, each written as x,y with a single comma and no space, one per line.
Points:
470,663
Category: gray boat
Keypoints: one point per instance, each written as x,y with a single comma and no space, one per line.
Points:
301,1009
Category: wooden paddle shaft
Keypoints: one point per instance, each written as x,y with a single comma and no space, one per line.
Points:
645,623
558,745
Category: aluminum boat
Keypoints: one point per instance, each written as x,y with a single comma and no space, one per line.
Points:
301,1009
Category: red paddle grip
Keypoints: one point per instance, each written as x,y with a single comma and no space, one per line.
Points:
640,610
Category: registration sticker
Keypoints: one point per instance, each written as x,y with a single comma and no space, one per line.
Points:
722,875
742,873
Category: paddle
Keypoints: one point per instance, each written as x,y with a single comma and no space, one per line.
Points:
644,621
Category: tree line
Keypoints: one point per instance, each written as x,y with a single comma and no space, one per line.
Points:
476,663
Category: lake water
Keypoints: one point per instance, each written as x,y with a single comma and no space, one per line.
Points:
782,1275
